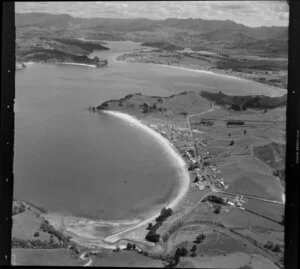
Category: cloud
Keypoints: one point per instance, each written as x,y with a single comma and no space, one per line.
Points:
251,13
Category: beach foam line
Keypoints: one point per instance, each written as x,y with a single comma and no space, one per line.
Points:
172,153
63,63
29,63
67,63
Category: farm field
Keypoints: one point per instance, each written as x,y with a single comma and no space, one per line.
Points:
44,257
126,259
233,260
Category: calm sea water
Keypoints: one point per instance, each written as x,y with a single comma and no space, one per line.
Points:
95,165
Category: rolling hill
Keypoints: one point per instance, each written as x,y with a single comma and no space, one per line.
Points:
216,34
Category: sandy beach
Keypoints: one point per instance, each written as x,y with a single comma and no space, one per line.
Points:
183,184
63,63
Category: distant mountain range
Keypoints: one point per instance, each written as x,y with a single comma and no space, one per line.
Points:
181,32
210,29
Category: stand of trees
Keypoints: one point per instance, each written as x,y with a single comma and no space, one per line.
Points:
236,102
199,239
152,236
180,252
39,244
130,246
47,228
215,199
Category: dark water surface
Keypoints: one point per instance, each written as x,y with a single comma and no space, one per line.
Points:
95,165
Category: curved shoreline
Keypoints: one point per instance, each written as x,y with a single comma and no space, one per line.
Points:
284,91
82,229
168,147
70,63
60,63
184,177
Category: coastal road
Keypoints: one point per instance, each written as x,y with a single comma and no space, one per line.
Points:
191,131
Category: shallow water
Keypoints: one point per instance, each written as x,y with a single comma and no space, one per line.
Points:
95,165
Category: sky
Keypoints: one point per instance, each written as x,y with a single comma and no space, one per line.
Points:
250,13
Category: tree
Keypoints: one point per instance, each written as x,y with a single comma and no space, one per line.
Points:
199,239
129,246
152,237
153,107
231,143
36,234
149,226
183,251
229,134
269,245
276,248
145,108
194,254
245,132
217,209
235,107
194,248
178,252
196,179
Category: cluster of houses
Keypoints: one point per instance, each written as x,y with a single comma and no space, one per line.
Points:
238,201
206,173
177,133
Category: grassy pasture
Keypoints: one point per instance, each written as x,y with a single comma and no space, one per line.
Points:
272,154
26,224
126,259
233,260
251,182
263,236
238,218
45,257
269,210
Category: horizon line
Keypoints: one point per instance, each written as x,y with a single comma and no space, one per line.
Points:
144,18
